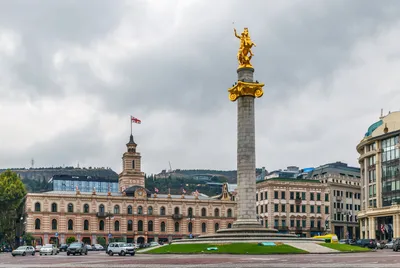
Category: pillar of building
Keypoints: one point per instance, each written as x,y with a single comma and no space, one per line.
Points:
396,225
372,228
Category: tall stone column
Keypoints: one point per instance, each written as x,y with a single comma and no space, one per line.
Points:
246,157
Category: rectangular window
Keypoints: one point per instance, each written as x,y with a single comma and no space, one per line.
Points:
326,197
312,209
318,196
318,209
261,196
276,195
256,209
266,195
283,223
291,195
291,223
347,194
303,209
283,208
304,223
298,223
256,197
298,208
326,209
276,223
266,208
291,208
297,195
283,196
303,195
312,196
276,208
262,209
312,224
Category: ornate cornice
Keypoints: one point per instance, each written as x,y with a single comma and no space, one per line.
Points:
245,89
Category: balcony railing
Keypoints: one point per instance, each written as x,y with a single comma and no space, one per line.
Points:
177,216
338,198
297,200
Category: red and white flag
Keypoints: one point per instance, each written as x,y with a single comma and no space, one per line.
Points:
156,190
135,120
184,191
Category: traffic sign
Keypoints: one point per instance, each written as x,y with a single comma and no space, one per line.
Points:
109,235
56,234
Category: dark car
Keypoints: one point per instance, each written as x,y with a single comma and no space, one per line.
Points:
63,247
366,243
77,248
396,244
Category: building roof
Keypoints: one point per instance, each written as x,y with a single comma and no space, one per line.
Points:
291,180
73,193
336,168
81,178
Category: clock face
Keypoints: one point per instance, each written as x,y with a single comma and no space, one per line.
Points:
140,193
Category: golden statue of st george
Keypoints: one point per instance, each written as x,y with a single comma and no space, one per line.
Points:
244,54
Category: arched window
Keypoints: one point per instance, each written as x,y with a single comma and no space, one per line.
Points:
229,213
54,207
229,225
70,225
116,209
190,212
54,224
204,227
216,227
37,224
101,208
150,211
140,226
129,210
190,227
177,227
216,212
176,210
101,225
86,225
70,207
116,226
162,226
130,225
140,210
162,211
150,226
203,212
37,207
85,208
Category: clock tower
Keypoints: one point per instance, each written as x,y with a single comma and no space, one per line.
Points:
131,174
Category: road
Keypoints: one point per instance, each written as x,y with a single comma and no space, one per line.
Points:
380,258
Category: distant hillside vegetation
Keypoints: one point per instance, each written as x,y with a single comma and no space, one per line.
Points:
36,179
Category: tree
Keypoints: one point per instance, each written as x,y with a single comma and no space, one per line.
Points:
12,193
101,240
28,238
70,240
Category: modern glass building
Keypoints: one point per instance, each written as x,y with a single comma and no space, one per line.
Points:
83,183
380,179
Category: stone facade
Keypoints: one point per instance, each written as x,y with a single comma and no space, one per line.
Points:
293,206
135,214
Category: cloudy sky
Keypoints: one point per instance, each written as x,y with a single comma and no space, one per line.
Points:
72,72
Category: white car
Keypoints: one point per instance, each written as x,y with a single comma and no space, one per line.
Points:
97,247
89,247
154,244
48,249
120,248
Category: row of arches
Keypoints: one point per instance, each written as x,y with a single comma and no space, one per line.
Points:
117,210
150,226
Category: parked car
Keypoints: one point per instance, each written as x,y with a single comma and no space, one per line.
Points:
389,244
48,249
367,243
77,248
89,247
121,249
154,244
38,247
23,250
97,247
396,244
63,247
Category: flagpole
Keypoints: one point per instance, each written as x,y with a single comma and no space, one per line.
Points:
131,123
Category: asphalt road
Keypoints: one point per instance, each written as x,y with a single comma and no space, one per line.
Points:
380,258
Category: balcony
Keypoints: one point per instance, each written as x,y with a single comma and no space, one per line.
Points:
282,228
338,198
297,200
103,214
177,216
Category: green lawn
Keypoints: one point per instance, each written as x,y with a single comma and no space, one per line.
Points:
234,248
345,247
